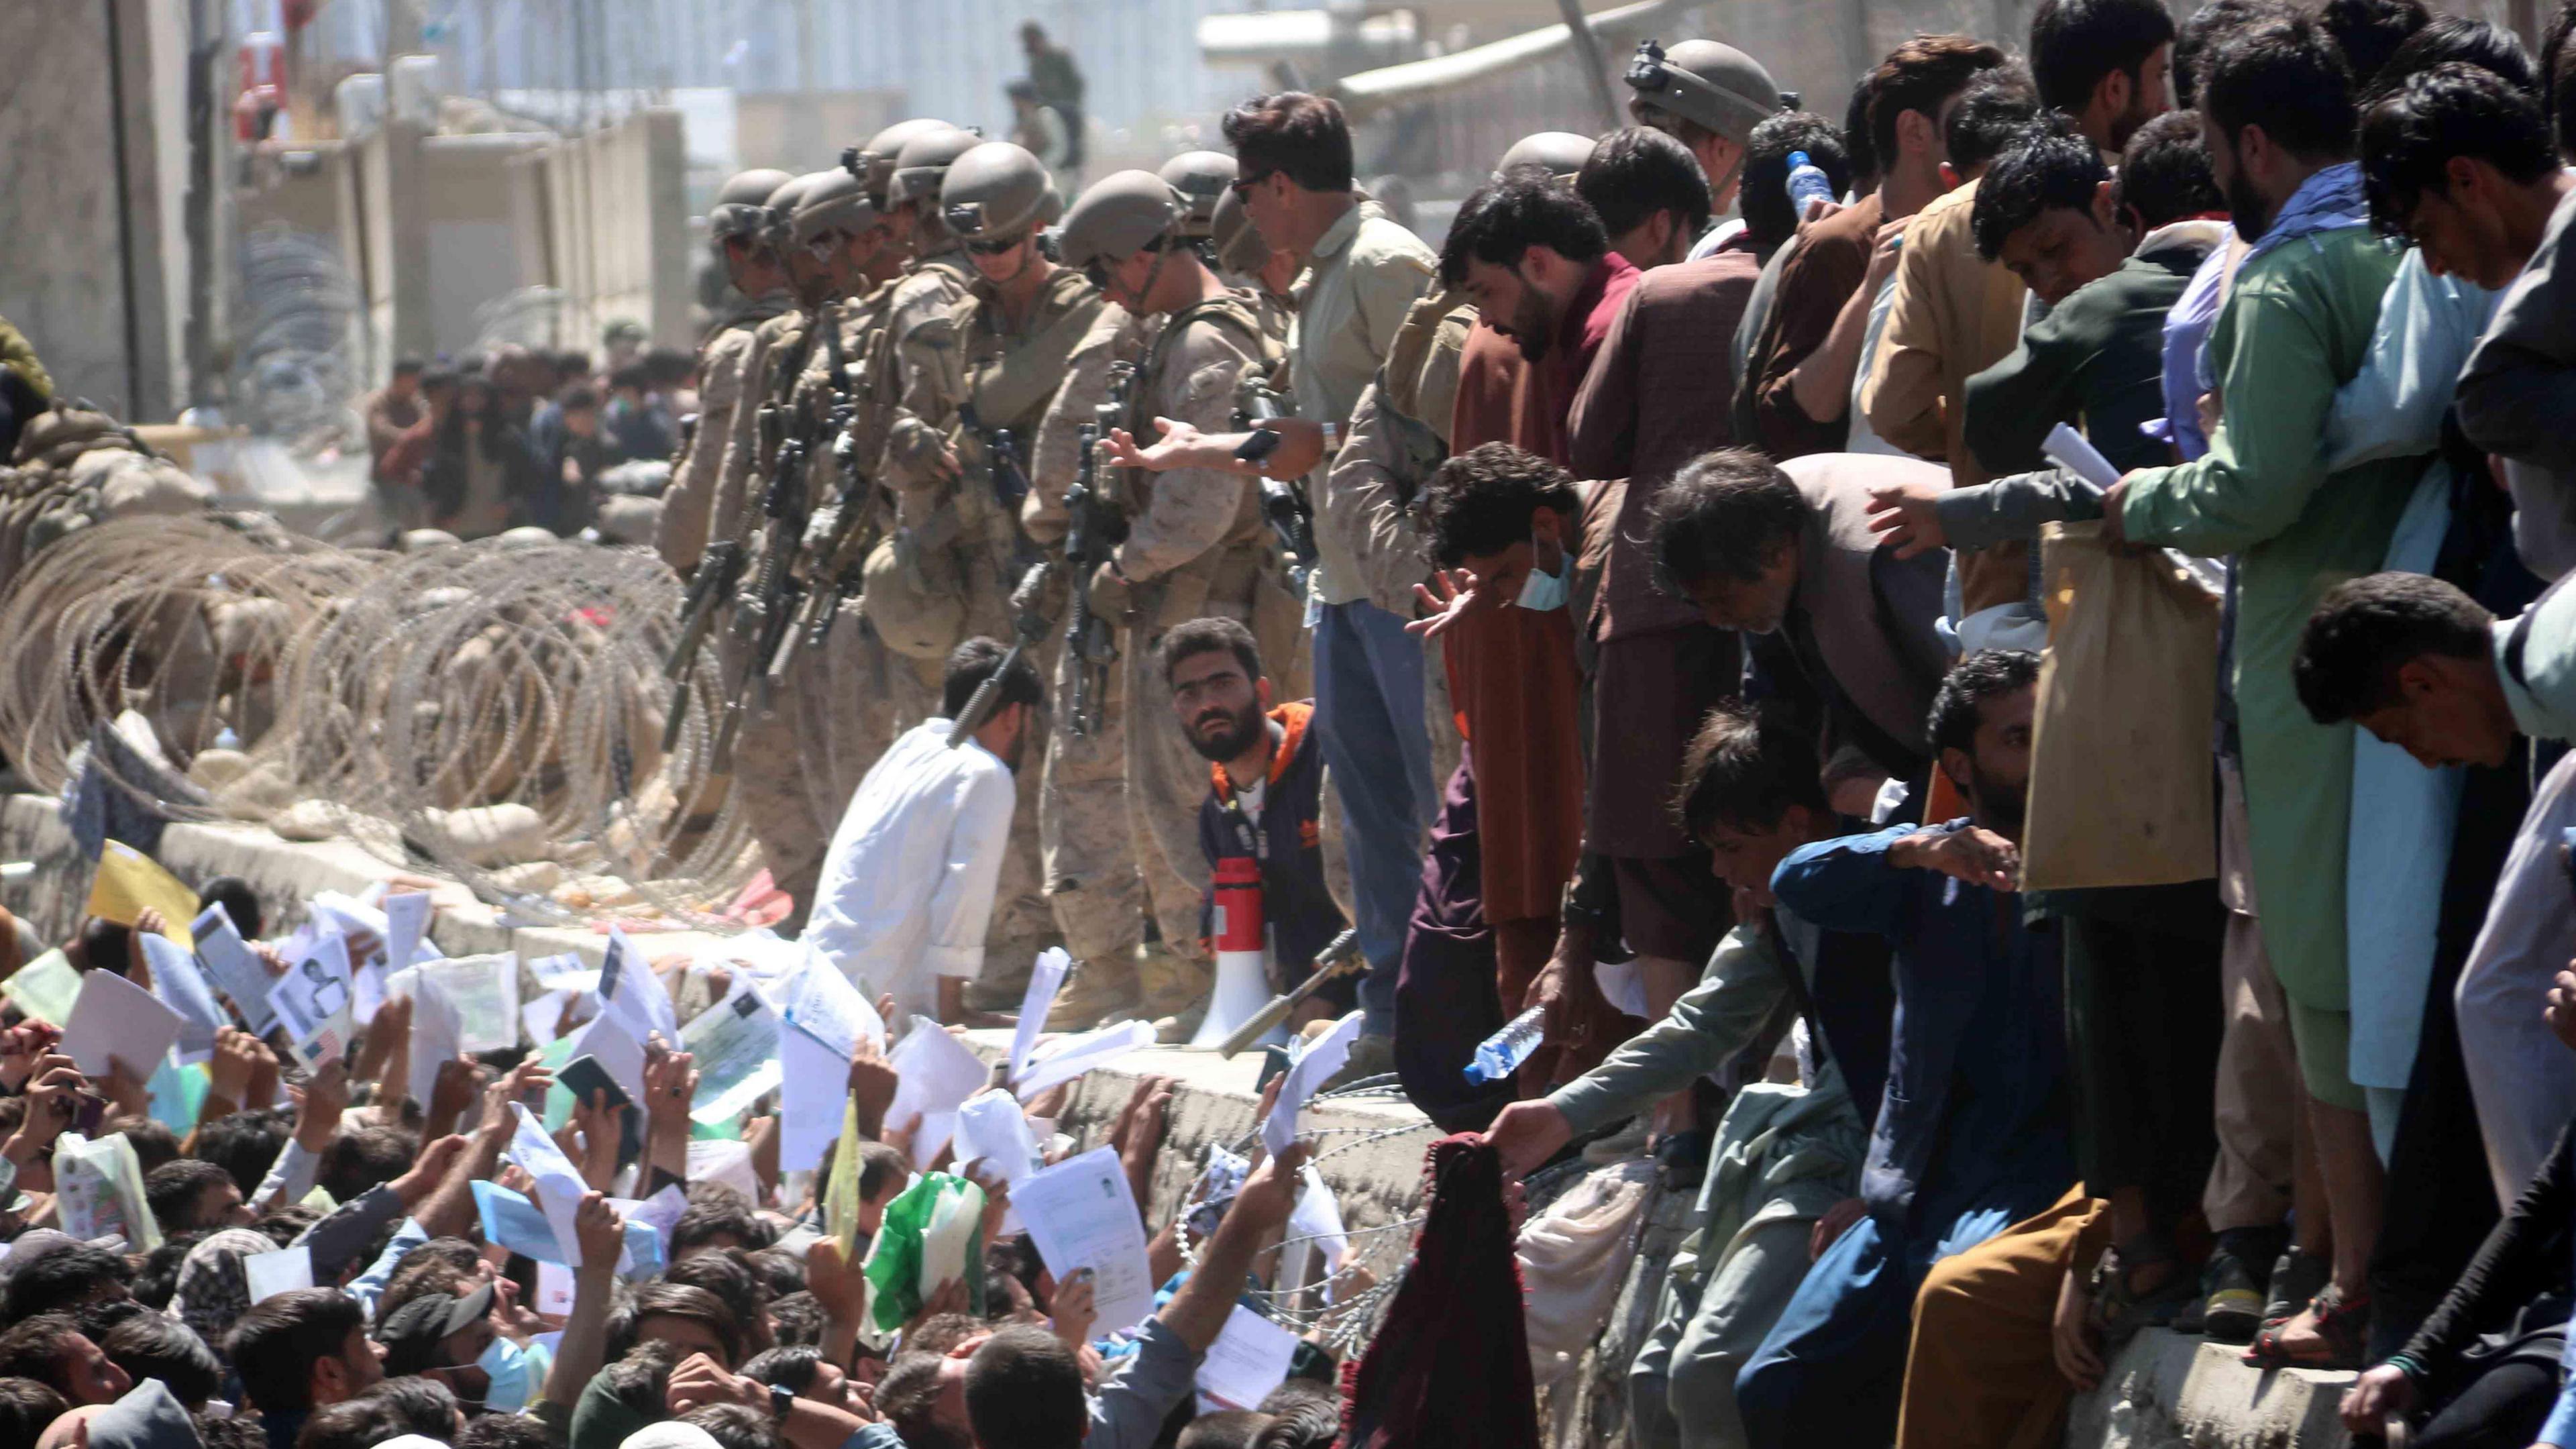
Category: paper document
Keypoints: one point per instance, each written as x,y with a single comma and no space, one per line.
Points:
814,1089
817,997
559,1183
485,992
1076,1055
1318,1218
406,928
628,988
1249,1359
994,1138
116,1019
234,970
181,985
2075,453
314,1000
283,1271
1082,1214
619,1054
841,1189
1045,980
516,1223
128,881
44,988
735,1043
718,1159
437,1036
936,1074
1312,1070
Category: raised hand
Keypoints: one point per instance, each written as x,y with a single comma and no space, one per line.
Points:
1451,596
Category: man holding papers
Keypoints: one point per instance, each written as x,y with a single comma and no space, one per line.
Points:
907,885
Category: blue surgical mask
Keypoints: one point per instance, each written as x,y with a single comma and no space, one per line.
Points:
513,1374
1544,590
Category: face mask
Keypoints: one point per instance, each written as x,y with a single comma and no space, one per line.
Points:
512,1375
1543,590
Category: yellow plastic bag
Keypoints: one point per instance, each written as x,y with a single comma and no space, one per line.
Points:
2121,789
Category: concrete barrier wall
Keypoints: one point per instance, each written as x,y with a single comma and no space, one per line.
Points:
608,214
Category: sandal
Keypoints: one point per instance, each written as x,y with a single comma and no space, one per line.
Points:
2118,1311
2343,1326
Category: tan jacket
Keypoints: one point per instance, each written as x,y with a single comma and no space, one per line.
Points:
1397,436
1952,316
1190,374
1115,335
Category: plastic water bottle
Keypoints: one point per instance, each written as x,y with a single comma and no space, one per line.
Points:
1500,1055
1807,182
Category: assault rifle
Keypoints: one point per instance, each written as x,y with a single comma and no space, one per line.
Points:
714,582
1010,475
1283,500
1096,529
1028,627
782,507
822,600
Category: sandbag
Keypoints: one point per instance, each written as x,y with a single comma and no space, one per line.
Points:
490,835
2122,790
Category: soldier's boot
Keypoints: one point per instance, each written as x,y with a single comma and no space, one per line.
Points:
1177,991
1100,991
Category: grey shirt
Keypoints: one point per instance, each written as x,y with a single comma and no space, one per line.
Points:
1136,1398
2518,391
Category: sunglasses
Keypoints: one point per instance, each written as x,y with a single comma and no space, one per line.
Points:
996,246
1242,186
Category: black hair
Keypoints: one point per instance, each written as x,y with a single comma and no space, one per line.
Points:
422,1405
1024,1391
1920,76
879,1162
1302,137
173,1190
1198,636
2164,173
504,1431
1503,219
1482,501
581,397
969,665
1724,515
155,1145
65,1278
2554,85
1303,1415
1232,1429
2047,167
908,1398
26,1407
1866,164
158,1278
734,1426
283,1225
359,1423
789,1366
2075,43
2410,135
2481,43
1743,769
1981,676
437,1266
797,1320
675,1300
365,1157
2366,629
150,1346
32,1348
637,1376
275,1344
104,945
244,1144
2284,75
1637,171
726,1273
2202,30
239,901
776,1270
1764,196
1998,103
2369,32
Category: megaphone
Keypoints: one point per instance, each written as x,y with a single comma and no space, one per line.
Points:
1338,959
1242,962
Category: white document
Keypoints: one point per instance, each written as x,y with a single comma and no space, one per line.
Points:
1249,1359
113,1017
1312,1070
628,988
935,1074
1082,1214
485,992
234,970
991,1131
283,1271
559,1183
1079,1054
437,1037
815,1084
817,997
350,916
1318,1216
1624,984
2075,453
735,1046
660,1212
181,985
1045,980
407,929
315,999
554,1290
619,1054
719,1159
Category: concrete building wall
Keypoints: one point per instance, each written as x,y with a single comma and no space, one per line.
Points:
614,228
89,201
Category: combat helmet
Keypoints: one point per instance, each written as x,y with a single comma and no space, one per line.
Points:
1561,152
777,218
1204,177
742,204
1240,248
1714,86
873,163
923,163
1120,215
997,191
832,201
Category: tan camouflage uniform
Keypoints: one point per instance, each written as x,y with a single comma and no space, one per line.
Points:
681,538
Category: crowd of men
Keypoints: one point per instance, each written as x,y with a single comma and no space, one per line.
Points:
1641,625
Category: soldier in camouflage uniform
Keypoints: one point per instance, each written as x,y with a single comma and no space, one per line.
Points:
756,272
1197,544
1267,276
977,386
